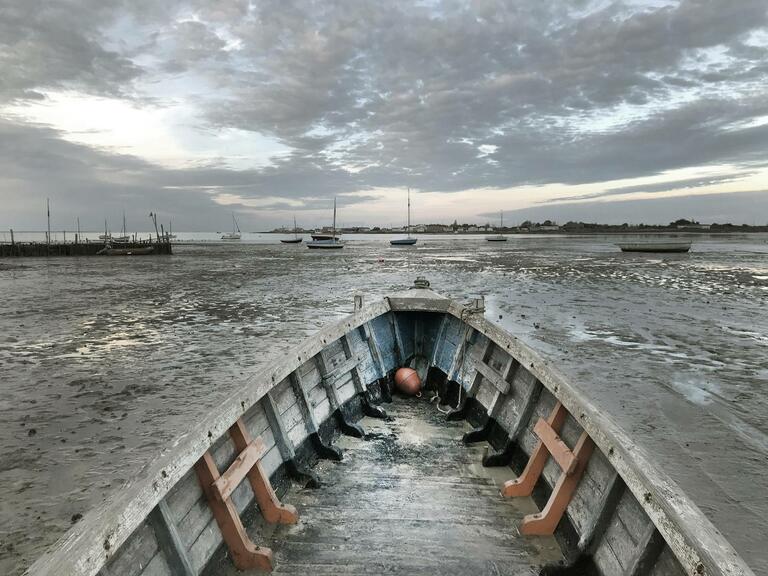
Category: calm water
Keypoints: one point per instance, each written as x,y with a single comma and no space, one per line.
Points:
103,361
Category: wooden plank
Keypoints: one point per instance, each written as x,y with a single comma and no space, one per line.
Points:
399,351
247,459
271,508
524,484
283,443
303,402
158,566
493,377
170,542
140,548
547,520
557,448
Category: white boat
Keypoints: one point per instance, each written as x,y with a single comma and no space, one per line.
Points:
330,243
498,237
408,241
656,246
124,237
235,235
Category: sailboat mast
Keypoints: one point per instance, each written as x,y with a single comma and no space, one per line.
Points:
334,219
125,230
501,213
409,211
48,208
295,229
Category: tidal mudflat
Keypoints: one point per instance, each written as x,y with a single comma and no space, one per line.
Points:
104,361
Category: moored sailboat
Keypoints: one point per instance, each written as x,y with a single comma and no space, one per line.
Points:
331,243
235,234
296,239
408,241
498,237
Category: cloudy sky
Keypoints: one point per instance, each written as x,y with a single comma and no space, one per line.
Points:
613,111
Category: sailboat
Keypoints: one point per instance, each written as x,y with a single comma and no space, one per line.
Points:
235,234
498,237
406,241
171,235
331,243
106,236
124,237
296,239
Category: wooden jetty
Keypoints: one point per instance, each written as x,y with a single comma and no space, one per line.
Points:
86,248
408,499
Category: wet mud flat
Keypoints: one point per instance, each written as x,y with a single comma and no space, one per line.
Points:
104,361
410,498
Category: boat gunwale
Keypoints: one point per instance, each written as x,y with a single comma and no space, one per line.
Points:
692,537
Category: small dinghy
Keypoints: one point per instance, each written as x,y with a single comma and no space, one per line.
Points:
302,471
296,238
327,242
656,246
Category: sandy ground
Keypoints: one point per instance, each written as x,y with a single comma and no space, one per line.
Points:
103,361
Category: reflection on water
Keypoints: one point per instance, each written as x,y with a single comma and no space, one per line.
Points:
105,360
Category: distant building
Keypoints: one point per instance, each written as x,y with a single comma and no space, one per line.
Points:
696,226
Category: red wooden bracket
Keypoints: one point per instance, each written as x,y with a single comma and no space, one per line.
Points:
218,489
572,463
523,485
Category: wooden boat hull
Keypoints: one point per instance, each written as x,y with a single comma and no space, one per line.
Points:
403,242
655,247
162,522
325,245
324,237
292,241
496,238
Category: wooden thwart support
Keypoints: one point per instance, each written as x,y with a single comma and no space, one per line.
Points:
572,463
218,489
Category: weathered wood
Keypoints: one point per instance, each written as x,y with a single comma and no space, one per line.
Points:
245,461
373,348
524,484
348,428
495,378
546,521
170,542
504,456
285,446
399,351
690,534
360,387
273,511
245,554
556,447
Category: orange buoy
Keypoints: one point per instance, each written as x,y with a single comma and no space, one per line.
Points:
407,381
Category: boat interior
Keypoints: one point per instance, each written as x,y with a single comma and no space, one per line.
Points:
321,466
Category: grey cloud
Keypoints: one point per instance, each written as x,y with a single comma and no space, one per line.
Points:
655,188
405,92
735,208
